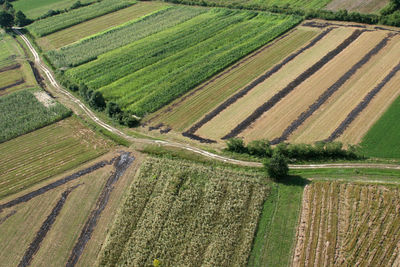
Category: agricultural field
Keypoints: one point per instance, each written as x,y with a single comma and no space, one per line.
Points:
34,9
365,6
197,49
336,104
15,71
46,152
348,224
156,221
64,205
99,24
62,21
26,111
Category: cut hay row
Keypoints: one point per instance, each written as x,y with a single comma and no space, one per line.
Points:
362,105
242,108
122,163
166,194
291,86
44,229
10,67
329,92
253,84
351,224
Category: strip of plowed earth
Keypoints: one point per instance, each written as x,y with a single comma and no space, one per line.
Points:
292,86
231,100
205,97
121,165
44,189
12,67
292,112
245,106
328,118
44,229
362,6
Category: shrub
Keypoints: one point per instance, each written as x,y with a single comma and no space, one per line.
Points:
260,148
236,145
277,167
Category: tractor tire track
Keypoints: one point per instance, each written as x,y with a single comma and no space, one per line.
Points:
253,84
291,86
330,91
44,229
121,165
362,105
44,189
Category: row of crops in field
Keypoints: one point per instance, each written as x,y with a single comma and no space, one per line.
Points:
157,219
151,72
46,152
55,23
90,48
22,112
348,225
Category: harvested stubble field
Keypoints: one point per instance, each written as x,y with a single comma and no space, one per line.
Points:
348,224
99,24
362,6
46,152
157,220
345,80
58,240
138,76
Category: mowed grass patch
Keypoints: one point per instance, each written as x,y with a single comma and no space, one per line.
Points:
383,139
33,9
148,74
218,89
23,112
352,223
167,193
46,152
19,230
94,26
62,21
275,238
90,48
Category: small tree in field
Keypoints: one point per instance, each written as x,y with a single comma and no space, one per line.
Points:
6,20
236,145
277,167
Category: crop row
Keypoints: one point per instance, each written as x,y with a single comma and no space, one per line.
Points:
291,86
157,222
59,22
254,83
329,92
362,105
22,113
90,48
348,224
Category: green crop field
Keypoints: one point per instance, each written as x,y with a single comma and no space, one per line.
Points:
22,112
99,24
36,8
184,214
149,73
383,139
90,48
62,21
46,152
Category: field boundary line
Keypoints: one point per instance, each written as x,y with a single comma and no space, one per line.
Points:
362,105
231,100
330,91
293,85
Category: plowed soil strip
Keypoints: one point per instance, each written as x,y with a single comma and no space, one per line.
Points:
362,105
44,229
44,189
329,92
253,84
121,165
291,86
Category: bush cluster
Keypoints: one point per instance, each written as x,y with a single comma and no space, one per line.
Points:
295,152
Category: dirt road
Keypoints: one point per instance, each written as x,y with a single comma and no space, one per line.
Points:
92,116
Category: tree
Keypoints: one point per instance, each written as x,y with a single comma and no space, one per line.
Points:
6,20
21,20
97,101
277,167
236,145
261,148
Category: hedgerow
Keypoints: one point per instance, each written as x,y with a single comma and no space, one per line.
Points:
22,113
